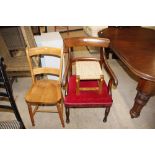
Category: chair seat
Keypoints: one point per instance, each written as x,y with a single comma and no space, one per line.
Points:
44,92
87,98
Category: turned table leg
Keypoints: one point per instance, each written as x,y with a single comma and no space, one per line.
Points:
145,90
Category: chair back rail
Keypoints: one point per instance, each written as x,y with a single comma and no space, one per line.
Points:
44,51
86,41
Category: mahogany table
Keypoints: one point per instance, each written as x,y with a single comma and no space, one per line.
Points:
135,47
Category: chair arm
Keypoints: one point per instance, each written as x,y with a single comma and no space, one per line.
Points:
65,76
112,75
113,80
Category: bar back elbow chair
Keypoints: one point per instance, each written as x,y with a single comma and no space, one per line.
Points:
87,87
44,91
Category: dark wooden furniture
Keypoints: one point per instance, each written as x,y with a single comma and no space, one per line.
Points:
44,92
37,29
67,28
8,93
87,98
135,47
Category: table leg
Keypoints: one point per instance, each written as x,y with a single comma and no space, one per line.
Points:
145,90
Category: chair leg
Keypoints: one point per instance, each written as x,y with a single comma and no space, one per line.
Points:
62,109
67,114
62,101
31,114
60,112
107,110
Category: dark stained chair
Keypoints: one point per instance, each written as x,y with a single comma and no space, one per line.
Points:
86,97
7,93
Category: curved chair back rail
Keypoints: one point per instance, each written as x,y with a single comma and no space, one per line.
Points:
86,41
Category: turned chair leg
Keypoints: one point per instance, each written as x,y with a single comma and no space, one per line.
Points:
107,110
60,112
31,114
67,114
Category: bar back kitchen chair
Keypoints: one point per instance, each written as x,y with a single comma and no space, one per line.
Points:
44,91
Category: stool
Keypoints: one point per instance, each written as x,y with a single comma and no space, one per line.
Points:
88,70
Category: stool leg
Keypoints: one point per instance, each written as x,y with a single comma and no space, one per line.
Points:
67,114
107,110
77,85
101,84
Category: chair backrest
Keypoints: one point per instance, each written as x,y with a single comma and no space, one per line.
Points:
69,43
86,41
39,70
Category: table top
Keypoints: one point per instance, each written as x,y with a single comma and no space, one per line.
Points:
135,46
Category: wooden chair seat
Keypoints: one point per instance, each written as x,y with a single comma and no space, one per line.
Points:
44,92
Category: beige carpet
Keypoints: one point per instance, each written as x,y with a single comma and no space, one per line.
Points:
119,117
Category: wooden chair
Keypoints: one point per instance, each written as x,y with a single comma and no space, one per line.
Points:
44,91
87,98
8,94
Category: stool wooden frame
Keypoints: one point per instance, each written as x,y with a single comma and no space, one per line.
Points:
45,91
88,70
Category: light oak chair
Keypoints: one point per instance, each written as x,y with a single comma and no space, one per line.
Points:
44,91
87,87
